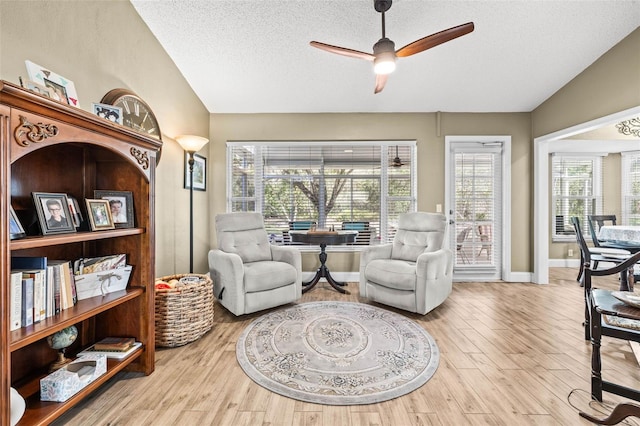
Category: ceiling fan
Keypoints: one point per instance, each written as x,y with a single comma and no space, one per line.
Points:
397,162
384,53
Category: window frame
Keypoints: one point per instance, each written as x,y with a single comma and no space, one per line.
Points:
594,199
386,157
630,178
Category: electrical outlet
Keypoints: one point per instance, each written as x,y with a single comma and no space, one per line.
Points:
570,252
438,208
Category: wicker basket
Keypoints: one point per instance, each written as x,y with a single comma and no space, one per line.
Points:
183,313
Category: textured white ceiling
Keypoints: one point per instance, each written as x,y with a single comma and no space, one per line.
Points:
254,56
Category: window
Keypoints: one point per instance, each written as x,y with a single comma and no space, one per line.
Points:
576,191
328,183
630,178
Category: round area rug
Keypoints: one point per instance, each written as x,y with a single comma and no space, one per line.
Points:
337,353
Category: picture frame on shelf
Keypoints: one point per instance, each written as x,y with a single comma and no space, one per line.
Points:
64,90
120,205
58,90
53,213
108,112
16,231
199,172
99,214
39,89
76,213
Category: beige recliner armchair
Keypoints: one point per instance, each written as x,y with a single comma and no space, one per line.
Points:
248,273
414,272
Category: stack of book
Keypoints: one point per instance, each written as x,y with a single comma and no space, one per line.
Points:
113,347
40,288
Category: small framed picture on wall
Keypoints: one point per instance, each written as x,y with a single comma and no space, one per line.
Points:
199,172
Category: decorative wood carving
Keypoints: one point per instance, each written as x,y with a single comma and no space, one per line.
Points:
142,157
33,132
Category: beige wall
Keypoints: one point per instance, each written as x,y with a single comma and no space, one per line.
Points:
609,85
102,45
421,127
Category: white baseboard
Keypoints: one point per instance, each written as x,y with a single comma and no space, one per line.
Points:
564,263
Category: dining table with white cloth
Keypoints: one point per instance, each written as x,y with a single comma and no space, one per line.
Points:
622,237
627,234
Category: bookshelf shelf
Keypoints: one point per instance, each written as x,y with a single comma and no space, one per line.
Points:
55,240
47,146
44,412
83,310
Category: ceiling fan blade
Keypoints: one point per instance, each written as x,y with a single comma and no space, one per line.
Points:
434,40
381,80
342,51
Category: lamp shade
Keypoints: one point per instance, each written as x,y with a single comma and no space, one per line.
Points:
191,143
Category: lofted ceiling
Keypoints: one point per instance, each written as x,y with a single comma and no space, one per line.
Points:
254,56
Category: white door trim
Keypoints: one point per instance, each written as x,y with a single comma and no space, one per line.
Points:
541,187
506,192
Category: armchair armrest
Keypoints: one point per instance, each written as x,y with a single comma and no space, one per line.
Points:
290,255
227,274
434,281
370,253
434,264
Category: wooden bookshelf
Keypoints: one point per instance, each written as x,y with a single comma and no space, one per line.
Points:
47,146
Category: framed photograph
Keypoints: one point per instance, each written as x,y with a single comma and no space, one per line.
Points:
74,209
39,88
53,213
15,227
120,205
63,89
99,214
199,172
109,112
58,90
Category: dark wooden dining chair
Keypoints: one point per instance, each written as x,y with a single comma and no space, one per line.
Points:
593,255
595,222
607,316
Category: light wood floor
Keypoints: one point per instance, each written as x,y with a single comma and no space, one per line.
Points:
511,354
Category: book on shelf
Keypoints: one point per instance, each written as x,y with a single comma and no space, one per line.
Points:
112,354
64,284
34,267
28,262
26,315
15,294
50,293
39,282
114,344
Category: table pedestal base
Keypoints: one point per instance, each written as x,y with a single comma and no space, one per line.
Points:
323,272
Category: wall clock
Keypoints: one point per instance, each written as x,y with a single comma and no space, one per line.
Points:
136,114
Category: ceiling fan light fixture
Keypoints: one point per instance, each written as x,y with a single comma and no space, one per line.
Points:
384,63
385,56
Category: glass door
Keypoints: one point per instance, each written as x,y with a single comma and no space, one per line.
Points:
474,200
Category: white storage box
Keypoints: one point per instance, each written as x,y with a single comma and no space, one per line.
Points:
70,379
101,283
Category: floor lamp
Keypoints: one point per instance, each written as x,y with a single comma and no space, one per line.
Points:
191,144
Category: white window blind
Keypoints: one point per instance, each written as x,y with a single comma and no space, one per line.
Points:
576,191
328,183
630,178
